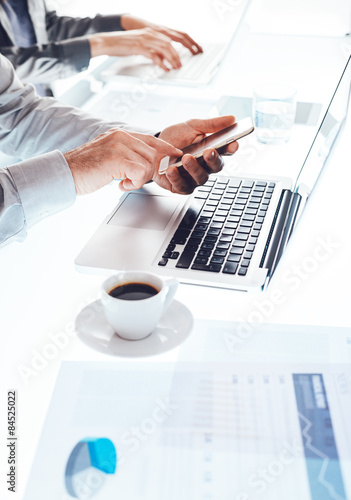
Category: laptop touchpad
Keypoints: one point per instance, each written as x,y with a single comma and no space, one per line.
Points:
145,211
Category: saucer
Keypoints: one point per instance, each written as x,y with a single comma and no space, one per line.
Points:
93,330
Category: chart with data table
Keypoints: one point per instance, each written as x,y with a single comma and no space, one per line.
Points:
206,431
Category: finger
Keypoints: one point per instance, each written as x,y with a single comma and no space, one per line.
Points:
196,171
180,181
156,59
183,38
189,43
213,160
162,147
229,149
212,124
135,176
161,45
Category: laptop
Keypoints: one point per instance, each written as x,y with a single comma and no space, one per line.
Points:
230,233
196,69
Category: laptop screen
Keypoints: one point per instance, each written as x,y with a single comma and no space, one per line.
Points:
327,133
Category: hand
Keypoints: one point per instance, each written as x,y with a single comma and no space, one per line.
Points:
131,23
117,154
147,42
185,180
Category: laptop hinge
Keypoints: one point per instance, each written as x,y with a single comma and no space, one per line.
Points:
277,229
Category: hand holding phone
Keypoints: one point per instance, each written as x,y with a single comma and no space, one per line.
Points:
218,141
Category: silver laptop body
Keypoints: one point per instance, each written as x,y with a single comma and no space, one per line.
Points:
141,232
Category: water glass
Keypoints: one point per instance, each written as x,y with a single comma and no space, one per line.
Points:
274,108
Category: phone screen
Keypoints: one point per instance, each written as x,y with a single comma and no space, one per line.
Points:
216,140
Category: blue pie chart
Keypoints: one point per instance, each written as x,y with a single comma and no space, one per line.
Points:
88,466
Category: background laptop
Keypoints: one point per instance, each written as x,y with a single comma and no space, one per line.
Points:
195,70
229,233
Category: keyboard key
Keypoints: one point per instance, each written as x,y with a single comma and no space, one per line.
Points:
204,253
247,183
227,201
205,220
166,255
242,271
192,214
226,237
213,232
198,234
251,204
185,259
217,260
239,243
250,217
241,237
216,225
246,223
234,257
234,183
218,218
180,236
210,208
250,247
220,252
223,244
261,183
228,232
202,195
201,227
231,225
163,262
244,229
213,268
174,255
201,260
247,255
251,211
236,250
222,213
245,263
230,268
208,246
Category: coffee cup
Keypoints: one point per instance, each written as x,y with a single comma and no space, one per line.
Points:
134,302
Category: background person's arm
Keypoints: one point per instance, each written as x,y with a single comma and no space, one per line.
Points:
63,48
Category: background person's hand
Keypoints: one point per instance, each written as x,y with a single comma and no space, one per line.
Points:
146,42
185,179
117,154
130,22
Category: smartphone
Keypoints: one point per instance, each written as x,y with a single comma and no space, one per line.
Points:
218,140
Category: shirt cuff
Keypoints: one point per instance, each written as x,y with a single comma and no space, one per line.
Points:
45,185
108,23
75,54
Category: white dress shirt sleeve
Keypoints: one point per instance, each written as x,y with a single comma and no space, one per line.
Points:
30,125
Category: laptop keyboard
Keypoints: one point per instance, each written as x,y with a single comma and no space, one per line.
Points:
220,229
193,67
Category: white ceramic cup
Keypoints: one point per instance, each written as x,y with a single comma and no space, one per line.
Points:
136,319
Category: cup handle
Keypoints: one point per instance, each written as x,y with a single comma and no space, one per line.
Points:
172,284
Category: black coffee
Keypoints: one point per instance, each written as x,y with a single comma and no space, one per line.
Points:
133,291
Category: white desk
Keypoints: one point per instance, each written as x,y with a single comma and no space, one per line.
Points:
41,292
